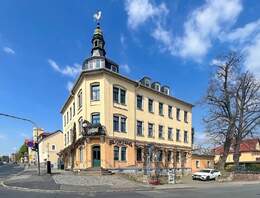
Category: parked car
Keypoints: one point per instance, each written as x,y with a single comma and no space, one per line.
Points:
206,174
1,163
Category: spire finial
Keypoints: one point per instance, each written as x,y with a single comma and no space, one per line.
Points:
97,16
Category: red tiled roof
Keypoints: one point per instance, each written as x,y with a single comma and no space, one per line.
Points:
248,145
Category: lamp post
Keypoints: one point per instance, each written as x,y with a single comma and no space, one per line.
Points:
37,138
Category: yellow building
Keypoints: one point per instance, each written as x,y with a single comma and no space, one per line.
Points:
49,146
249,152
113,122
32,155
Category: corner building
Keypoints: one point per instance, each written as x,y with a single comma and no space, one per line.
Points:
113,122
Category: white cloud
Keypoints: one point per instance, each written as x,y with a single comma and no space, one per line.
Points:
8,50
126,68
252,56
164,37
122,40
205,24
71,71
140,11
242,34
70,86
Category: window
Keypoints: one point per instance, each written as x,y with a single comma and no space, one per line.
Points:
178,135
119,123
186,116
81,156
170,111
98,63
150,105
170,133
119,95
139,154
74,109
122,96
114,68
150,130
185,136
80,126
95,92
123,153
178,157
71,135
70,113
208,164
116,123
65,139
64,120
123,124
161,109
178,111
116,153
197,163
139,102
139,128
159,155
169,156
67,117
95,118
79,99
53,147
160,131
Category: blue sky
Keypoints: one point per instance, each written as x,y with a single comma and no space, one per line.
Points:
44,42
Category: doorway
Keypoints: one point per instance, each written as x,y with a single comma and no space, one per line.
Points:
96,156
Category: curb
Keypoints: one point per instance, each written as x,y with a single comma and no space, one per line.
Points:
70,191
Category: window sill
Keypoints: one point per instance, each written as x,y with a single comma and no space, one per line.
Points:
161,138
120,106
140,109
161,115
170,117
151,112
139,135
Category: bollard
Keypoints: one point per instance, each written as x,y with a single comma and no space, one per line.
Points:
48,167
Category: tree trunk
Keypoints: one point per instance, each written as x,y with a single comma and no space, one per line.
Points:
223,158
236,154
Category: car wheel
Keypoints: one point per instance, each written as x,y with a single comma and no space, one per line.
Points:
207,178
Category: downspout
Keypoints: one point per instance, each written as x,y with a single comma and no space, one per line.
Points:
135,121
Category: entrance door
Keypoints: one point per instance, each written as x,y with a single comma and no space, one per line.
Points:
96,156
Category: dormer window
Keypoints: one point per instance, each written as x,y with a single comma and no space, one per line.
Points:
156,86
147,83
165,90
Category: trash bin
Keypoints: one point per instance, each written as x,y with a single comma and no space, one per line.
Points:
48,167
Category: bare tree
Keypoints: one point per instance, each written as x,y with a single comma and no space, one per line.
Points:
220,100
248,108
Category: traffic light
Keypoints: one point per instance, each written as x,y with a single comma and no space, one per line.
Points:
35,147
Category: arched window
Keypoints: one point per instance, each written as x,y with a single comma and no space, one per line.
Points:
116,153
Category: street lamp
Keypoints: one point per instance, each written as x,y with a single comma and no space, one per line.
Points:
37,138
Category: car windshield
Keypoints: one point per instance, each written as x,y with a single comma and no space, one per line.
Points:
205,171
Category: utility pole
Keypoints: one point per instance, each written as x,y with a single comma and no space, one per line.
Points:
37,138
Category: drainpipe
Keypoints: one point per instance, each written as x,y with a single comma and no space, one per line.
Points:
135,121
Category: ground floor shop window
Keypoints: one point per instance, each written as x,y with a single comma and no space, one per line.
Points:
139,154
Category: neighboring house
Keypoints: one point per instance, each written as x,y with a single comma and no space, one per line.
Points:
50,144
32,155
123,118
201,161
249,152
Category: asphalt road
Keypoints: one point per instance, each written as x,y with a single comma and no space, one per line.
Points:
242,191
8,170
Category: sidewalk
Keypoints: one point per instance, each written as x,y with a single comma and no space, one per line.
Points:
67,181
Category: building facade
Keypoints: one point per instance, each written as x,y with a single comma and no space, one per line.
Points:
49,147
201,161
249,152
113,122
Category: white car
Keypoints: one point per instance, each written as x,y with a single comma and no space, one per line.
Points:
206,174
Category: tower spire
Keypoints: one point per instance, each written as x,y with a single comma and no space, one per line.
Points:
98,42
